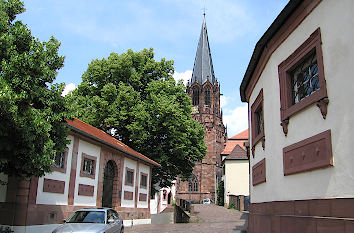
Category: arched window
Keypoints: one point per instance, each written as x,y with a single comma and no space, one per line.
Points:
195,100
193,184
207,96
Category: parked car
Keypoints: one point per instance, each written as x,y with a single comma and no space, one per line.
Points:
93,220
206,201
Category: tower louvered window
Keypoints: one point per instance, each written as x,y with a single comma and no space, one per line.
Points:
195,100
207,96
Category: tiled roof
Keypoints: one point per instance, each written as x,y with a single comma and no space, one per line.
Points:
100,136
237,153
230,145
242,135
238,139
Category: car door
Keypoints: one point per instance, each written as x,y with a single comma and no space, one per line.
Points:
118,221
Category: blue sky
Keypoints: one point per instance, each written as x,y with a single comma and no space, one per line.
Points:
91,29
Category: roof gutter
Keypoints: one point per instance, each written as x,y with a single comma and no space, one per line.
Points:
109,144
261,44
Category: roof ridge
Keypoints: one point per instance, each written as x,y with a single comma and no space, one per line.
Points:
123,146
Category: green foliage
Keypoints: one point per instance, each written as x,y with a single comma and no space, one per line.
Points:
32,111
138,98
220,193
231,206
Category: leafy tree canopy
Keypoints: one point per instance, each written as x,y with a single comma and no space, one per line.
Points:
137,97
32,111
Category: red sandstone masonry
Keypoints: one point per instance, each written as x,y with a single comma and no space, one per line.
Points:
302,216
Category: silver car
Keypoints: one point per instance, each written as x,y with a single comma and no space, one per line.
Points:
93,220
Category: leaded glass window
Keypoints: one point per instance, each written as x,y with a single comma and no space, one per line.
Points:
304,78
88,166
259,120
58,160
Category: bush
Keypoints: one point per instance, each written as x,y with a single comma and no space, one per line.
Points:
231,206
220,193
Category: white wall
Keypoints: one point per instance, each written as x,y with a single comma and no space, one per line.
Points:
55,198
3,188
92,150
237,177
132,164
154,204
335,20
145,169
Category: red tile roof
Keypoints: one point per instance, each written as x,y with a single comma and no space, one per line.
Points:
100,136
230,145
238,139
242,135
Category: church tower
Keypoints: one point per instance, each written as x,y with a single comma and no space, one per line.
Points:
204,90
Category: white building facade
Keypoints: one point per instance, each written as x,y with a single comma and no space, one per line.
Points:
299,87
96,170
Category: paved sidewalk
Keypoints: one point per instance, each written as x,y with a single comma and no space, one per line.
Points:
211,218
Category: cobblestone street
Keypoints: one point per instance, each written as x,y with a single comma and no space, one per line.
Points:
209,218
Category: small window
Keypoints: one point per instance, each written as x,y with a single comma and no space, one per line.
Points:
59,163
304,78
257,120
223,169
193,184
302,81
58,160
129,177
143,180
88,166
207,96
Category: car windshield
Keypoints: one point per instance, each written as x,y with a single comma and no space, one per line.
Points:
86,216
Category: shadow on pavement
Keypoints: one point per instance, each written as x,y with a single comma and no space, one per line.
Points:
245,225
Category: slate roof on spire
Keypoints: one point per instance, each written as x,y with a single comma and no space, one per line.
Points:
203,65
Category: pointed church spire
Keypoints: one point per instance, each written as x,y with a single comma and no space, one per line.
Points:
203,66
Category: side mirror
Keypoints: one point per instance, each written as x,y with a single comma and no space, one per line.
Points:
111,220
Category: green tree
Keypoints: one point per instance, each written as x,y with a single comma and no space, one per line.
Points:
32,122
137,97
220,193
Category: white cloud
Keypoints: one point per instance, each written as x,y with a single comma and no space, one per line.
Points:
236,120
224,101
185,76
68,89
